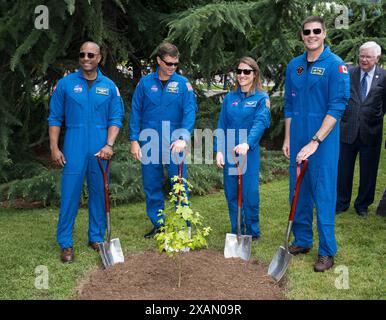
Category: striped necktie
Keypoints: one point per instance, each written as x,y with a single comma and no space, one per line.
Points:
363,88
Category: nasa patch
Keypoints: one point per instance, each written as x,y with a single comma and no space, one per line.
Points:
78,88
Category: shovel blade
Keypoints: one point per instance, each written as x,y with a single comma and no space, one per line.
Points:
238,248
111,253
279,263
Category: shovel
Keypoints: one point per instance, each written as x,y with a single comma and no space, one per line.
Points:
282,258
110,250
238,246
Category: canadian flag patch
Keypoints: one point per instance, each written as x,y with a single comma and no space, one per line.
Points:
343,69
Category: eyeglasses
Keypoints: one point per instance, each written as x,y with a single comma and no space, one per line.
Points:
362,57
90,55
307,32
247,72
170,64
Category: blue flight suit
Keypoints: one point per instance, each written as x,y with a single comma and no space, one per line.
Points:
87,114
311,94
158,110
251,114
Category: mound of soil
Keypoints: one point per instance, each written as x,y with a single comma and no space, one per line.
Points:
207,275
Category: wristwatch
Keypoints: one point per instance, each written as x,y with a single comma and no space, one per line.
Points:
315,138
110,144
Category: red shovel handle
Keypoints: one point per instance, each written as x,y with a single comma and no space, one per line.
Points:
180,167
239,179
299,176
105,183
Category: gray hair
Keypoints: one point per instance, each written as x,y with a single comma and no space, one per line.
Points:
372,45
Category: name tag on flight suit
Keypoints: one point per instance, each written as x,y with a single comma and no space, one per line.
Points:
250,104
317,71
172,87
104,91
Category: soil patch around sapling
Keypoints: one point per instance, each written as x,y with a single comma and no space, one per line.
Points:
206,275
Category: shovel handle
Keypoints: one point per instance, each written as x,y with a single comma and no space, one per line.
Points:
180,164
299,177
239,179
106,190
239,193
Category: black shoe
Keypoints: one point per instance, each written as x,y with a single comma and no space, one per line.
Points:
362,213
255,238
152,233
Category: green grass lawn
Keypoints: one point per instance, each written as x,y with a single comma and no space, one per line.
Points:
27,240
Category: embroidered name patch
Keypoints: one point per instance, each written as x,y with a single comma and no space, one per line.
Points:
250,104
104,91
317,71
172,87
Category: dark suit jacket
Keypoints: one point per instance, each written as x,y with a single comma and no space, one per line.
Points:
365,117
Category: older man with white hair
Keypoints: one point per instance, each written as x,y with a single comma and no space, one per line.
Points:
361,130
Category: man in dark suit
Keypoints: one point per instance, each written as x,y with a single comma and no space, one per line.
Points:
361,130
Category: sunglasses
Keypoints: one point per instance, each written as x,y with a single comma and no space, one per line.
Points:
90,55
247,72
170,64
307,32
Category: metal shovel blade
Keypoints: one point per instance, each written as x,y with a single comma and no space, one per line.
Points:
238,248
279,263
111,253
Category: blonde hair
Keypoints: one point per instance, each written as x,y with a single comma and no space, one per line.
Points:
256,85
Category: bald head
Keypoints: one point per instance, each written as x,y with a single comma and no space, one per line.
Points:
90,45
89,58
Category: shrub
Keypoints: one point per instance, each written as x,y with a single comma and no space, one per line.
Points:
176,237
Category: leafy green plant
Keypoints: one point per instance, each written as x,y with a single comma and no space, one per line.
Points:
176,237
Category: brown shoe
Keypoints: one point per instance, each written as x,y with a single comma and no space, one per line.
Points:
67,255
323,263
94,246
296,250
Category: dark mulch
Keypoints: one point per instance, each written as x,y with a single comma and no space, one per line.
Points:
21,204
207,275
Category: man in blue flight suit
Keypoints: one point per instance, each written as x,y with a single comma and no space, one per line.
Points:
317,90
163,113
91,107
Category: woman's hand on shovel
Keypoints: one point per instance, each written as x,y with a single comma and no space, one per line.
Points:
241,149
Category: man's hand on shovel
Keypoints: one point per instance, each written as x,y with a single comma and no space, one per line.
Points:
178,146
105,153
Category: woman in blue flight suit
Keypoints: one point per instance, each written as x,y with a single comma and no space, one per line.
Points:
243,119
